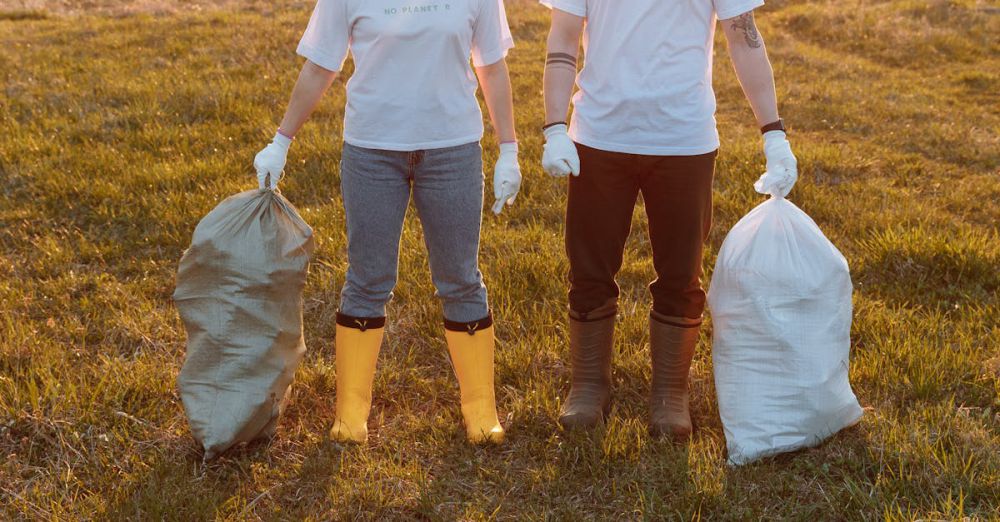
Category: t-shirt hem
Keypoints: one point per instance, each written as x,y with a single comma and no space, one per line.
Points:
564,6
320,58
409,147
693,150
739,9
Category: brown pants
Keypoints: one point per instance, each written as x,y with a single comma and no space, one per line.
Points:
677,191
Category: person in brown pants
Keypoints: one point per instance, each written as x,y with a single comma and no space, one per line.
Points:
677,191
643,122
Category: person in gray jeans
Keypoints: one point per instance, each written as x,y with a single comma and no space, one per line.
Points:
412,126
447,186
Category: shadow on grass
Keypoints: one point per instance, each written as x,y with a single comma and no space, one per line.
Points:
943,269
23,15
179,486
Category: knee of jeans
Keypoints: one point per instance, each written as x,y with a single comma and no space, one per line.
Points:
466,292
377,291
466,309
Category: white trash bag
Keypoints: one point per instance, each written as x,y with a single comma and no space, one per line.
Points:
780,299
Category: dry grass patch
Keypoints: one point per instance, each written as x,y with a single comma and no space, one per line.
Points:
117,133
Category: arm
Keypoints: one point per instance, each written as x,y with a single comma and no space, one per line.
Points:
495,82
309,88
753,69
560,64
560,157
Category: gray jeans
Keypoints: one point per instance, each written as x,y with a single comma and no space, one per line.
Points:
447,187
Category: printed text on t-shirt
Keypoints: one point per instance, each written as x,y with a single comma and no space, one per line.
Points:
412,9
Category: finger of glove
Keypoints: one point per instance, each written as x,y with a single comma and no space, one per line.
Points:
759,184
499,187
786,183
262,179
791,165
509,194
566,151
573,164
556,169
766,184
777,184
269,177
498,207
549,164
504,186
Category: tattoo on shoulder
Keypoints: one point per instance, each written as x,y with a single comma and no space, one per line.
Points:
745,23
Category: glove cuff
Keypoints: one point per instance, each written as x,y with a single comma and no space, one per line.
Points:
509,148
281,140
554,130
775,135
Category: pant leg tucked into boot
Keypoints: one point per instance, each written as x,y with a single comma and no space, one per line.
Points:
471,346
672,343
358,343
591,341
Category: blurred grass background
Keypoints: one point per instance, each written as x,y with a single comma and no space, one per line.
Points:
122,123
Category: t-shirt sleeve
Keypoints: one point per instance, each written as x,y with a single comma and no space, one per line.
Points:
726,9
328,35
491,38
573,7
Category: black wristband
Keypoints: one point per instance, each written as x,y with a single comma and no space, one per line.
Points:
553,124
774,126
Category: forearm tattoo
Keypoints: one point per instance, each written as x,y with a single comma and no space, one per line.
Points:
745,23
561,61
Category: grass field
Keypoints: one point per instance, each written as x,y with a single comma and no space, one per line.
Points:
119,131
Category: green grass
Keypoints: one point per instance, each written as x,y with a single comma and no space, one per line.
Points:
118,133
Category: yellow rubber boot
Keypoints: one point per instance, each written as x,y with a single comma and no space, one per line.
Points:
472,356
357,354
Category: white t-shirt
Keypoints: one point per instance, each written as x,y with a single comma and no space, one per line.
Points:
412,87
646,83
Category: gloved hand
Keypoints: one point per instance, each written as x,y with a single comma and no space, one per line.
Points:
271,161
559,157
506,177
782,167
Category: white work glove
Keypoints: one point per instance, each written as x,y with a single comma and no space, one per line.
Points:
782,167
271,161
559,157
506,177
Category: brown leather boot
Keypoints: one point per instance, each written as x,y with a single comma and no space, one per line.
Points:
591,339
672,341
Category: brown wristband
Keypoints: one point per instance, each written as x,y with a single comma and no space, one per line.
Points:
774,126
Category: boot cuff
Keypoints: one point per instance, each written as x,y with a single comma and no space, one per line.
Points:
470,327
607,310
679,322
360,323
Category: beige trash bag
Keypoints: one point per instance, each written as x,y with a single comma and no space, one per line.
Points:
239,293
